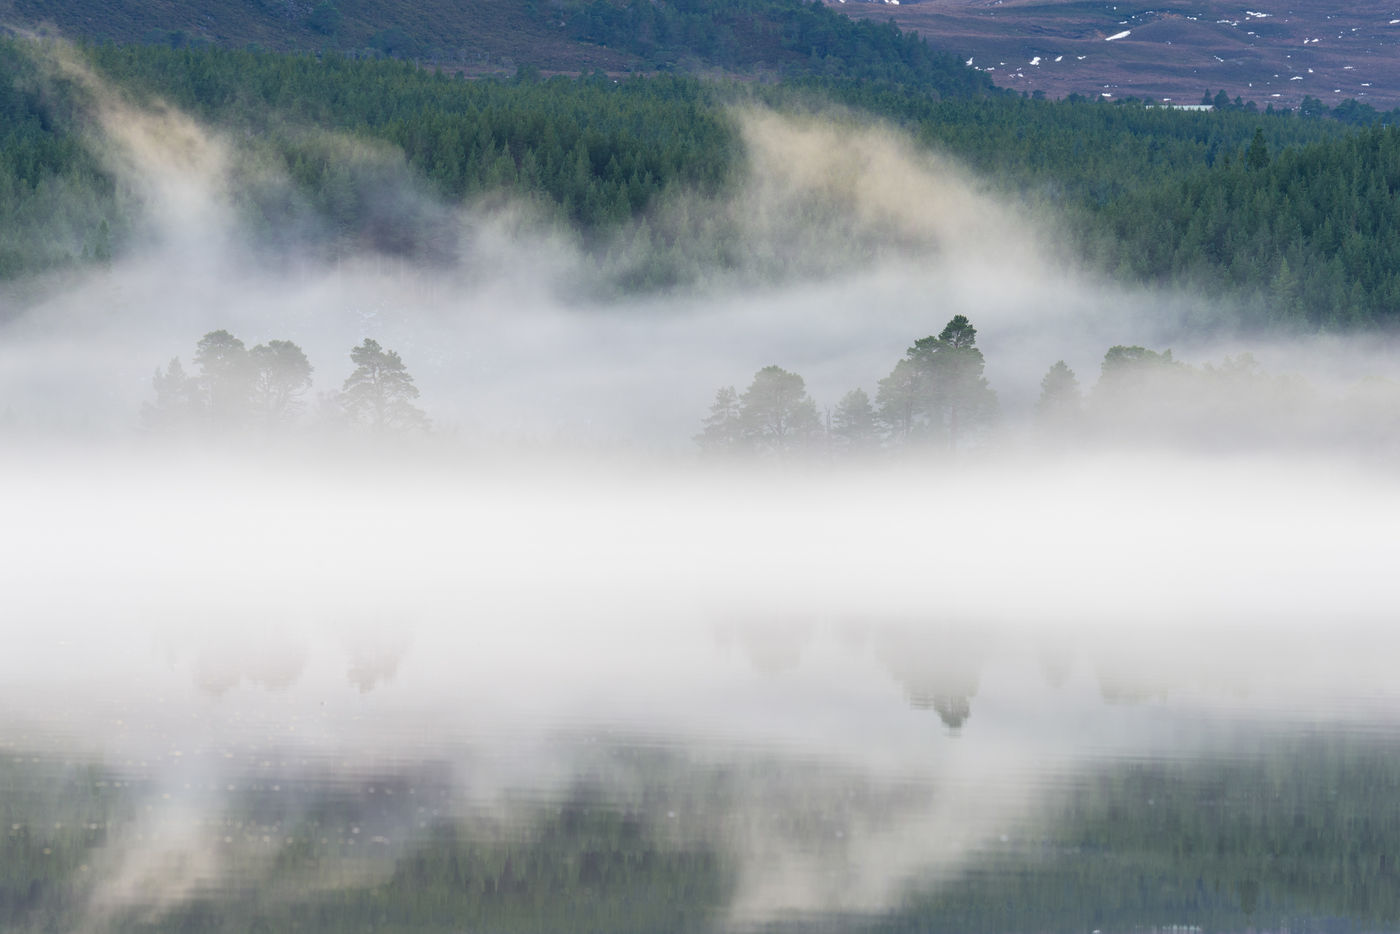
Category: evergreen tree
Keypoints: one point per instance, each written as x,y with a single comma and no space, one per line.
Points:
281,377
379,393
178,405
853,423
723,432
899,400
1257,157
1060,398
958,399
776,414
225,378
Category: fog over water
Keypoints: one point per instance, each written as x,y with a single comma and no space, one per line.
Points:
487,613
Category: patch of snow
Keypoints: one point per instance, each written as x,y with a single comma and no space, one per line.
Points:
1256,15
1080,58
1058,57
969,61
1105,94
1035,60
1348,68
1296,78
1393,22
1118,35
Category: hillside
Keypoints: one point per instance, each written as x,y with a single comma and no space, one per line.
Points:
1266,52
745,38
477,35
1287,211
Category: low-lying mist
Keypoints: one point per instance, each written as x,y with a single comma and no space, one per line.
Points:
554,562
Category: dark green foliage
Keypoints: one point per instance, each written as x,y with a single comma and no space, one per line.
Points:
379,393
325,18
58,205
1293,218
776,415
937,394
593,151
1314,229
786,37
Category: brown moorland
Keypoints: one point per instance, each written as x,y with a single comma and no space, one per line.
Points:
1266,51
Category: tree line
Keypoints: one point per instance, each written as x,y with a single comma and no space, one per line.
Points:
264,389
937,400
936,396
1288,216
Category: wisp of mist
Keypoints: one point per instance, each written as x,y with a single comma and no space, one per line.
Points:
555,559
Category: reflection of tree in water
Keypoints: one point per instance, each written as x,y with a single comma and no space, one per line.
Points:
261,655
374,647
952,709
772,645
937,664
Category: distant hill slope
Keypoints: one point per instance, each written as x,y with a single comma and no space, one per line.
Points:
488,35
1266,51
1292,214
743,37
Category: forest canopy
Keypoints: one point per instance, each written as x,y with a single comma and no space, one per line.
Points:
1291,217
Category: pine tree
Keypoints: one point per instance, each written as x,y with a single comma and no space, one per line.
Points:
281,377
776,414
853,423
225,378
723,432
1060,398
379,393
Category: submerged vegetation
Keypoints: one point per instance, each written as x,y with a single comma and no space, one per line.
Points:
1298,829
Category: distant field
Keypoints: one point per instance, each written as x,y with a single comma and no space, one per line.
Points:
1260,51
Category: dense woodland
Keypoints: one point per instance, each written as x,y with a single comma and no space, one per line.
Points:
1293,215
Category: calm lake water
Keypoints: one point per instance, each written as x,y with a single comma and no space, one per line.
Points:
233,704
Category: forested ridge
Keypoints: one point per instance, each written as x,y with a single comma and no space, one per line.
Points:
737,37
1293,215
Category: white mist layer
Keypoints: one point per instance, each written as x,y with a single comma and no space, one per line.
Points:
172,610
503,346
167,608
